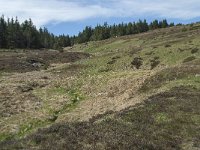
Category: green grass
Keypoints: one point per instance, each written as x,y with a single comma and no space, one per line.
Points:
24,129
4,136
58,90
33,124
175,54
75,98
161,118
28,127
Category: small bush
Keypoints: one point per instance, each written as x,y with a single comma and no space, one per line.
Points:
156,58
167,45
155,62
137,62
111,62
155,47
195,50
188,59
75,96
181,50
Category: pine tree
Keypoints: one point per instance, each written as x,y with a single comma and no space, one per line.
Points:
11,44
154,25
3,33
129,29
113,31
165,23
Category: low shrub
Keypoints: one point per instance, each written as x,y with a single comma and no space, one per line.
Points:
195,50
155,62
188,59
167,45
111,62
137,62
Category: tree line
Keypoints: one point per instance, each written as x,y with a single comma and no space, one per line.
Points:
25,35
102,32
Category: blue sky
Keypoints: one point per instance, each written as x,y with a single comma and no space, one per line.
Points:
71,16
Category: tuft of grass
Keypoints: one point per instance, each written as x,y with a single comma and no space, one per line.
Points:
75,95
154,62
161,118
4,137
57,90
25,129
194,50
188,59
137,62
30,126
167,45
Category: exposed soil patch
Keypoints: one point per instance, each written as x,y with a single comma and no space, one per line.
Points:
13,104
36,60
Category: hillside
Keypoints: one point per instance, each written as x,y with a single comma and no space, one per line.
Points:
132,92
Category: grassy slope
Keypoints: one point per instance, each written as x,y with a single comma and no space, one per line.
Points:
167,119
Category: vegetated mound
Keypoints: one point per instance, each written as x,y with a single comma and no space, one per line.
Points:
170,74
168,120
36,59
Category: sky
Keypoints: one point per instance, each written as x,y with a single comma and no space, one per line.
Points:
71,16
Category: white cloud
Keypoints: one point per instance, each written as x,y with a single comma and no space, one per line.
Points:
43,12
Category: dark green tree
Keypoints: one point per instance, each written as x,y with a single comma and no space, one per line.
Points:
3,33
